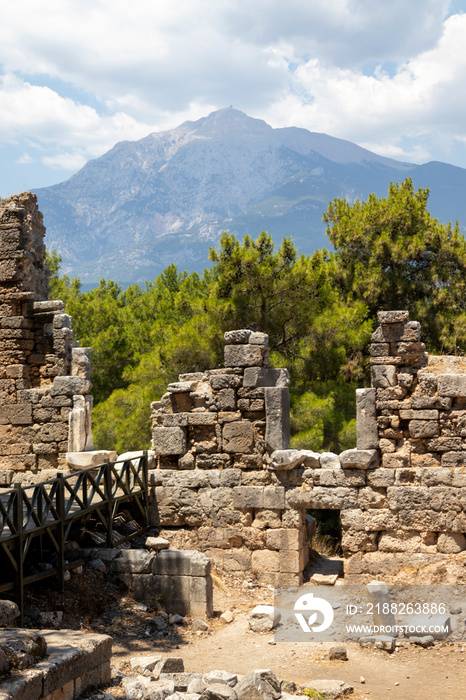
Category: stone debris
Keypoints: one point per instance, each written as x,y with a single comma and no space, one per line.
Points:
258,685
218,692
225,677
263,618
378,641
147,688
9,611
200,626
329,688
51,619
282,460
227,617
182,680
155,544
324,579
147,665
338,652
425,641
98,566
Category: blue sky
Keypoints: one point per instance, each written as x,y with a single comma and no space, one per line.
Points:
77,76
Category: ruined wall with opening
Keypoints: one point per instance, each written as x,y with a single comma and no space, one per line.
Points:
45,401
225,476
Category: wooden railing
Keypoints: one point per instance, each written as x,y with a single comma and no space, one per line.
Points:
51,507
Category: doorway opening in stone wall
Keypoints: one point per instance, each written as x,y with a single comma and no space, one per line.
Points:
325,551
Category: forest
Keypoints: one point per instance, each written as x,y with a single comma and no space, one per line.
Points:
319,312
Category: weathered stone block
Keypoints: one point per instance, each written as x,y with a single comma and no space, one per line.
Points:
274,497
83,460
176,420
383,376
424,428
426,414
258,338
311,459
133,561
329,460
169,441
225,400
392,316
243,355
265,560
359,459
381,477
453,385
370,497
238,337
266,376
453,459
284,538
400,541
277,408
324,497
248,497
283,460
70,385
367,435
263,618
238,436
451,542
181,563
16,414
225,381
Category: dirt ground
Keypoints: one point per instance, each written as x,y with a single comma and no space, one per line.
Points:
410,673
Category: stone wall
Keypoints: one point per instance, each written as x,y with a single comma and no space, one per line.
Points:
45,401
226,477
52,665
212,436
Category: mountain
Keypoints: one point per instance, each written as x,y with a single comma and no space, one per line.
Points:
167,197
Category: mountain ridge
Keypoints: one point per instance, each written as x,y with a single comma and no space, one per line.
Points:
168,196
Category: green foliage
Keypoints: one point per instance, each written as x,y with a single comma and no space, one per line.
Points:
318,311
315,694
392,254
324,418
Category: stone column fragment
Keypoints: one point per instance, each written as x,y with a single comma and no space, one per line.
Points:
277,410
367,436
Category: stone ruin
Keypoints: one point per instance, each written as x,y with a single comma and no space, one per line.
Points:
225,473
224,476
45,400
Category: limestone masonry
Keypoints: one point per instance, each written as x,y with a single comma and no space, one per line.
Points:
224,478
225,473
45,401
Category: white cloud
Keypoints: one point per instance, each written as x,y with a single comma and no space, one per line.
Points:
25,159
169,53
80,75
65,161
424,98
45,118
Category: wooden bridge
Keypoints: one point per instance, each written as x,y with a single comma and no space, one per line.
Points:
50,508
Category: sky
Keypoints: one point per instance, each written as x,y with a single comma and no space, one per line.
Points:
77,76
